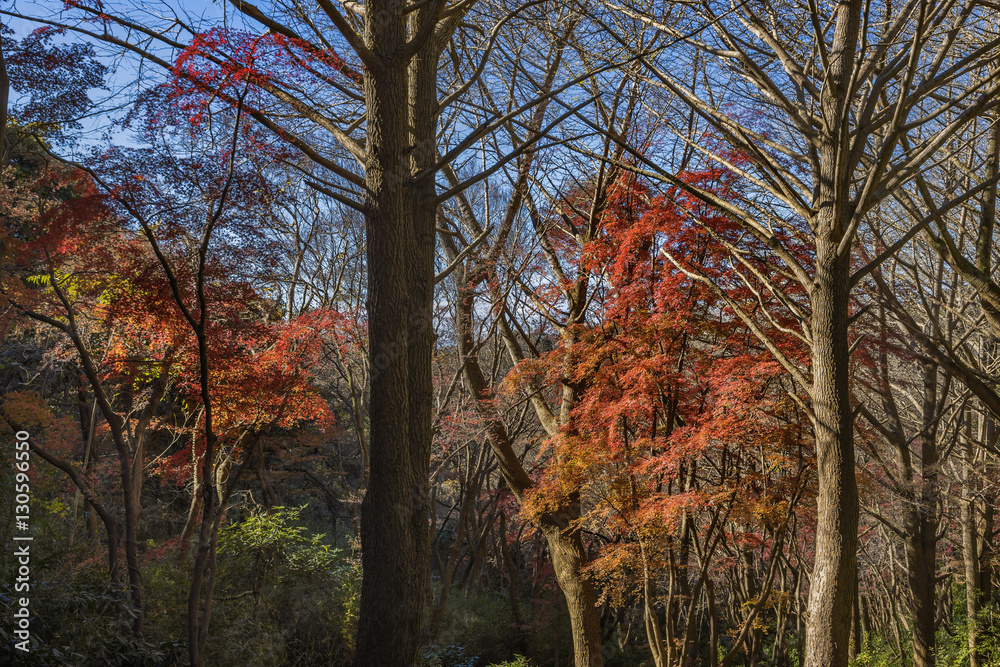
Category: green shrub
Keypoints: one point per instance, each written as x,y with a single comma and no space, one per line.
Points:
84,623
517,661
288,589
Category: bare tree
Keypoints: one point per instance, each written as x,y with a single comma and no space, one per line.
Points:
826,112
376,79
961,239
485,261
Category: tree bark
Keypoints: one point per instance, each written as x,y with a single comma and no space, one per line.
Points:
400,96
832,589
920,528
4,96
970,551
832,586
568,558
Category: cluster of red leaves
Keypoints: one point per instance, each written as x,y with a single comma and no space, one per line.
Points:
674,383
122,303
226,63
27,411
260,380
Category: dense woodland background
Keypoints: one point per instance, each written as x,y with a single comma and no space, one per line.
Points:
470,332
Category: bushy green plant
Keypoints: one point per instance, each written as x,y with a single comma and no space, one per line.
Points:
269,541
877,654
287,588
952,640
82,623
517,661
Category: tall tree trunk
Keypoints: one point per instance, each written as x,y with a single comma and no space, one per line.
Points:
920,527
857,637
4,96
568,558
970,550
400,95
832,586
649,616
988,562
130,493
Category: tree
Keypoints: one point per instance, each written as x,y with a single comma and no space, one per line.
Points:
53,83
376,72
174,299
846,114
674,461
51,282
957,243
245,377
560,296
